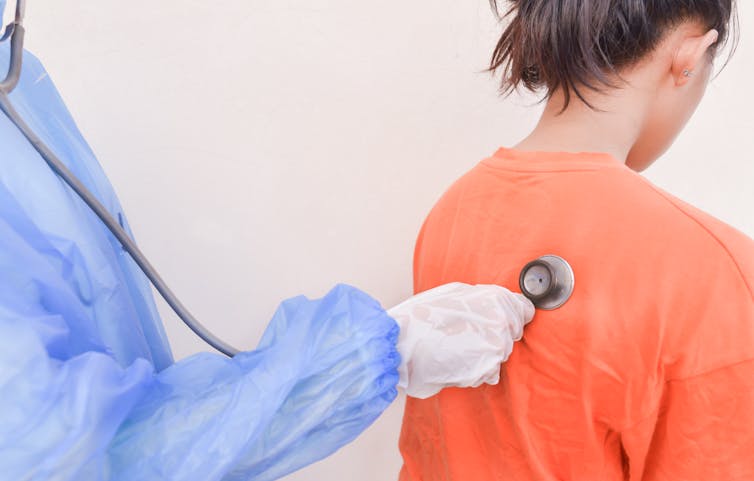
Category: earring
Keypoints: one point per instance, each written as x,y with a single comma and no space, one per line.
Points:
688,73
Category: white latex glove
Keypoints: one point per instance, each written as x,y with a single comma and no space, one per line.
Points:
457,335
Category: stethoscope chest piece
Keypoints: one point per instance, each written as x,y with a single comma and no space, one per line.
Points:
547,282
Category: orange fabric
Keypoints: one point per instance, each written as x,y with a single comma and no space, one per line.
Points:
647,373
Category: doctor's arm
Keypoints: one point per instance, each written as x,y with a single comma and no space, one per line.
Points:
324,371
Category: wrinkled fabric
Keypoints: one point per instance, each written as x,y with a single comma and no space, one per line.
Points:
322,373
88,387
83,274
646,373
457,335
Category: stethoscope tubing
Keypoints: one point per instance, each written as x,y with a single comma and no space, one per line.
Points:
52,160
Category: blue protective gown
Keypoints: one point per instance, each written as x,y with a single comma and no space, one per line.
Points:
88,386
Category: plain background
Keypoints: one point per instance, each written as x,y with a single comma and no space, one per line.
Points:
268,148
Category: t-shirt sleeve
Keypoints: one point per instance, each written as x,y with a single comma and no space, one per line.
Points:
418,287
703,430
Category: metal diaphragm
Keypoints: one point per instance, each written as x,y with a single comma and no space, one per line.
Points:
547,282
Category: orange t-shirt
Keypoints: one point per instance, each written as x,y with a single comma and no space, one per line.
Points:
647,373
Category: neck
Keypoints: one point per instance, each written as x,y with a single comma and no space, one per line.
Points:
612,128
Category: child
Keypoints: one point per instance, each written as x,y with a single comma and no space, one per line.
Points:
647,372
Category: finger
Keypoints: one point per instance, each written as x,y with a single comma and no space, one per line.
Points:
527,307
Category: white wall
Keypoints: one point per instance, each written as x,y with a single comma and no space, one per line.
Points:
268,148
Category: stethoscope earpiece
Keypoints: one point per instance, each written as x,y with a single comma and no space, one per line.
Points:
547,282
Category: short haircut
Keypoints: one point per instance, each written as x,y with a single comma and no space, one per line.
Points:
570,44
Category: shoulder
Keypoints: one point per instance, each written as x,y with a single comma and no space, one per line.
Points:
705,301
730,245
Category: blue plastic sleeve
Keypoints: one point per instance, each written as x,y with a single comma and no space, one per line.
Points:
88,387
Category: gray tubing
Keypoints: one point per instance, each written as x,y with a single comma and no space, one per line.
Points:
64,173
16,56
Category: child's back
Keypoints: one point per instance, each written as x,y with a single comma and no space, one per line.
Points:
647,371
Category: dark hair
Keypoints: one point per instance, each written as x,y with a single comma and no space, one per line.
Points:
568,44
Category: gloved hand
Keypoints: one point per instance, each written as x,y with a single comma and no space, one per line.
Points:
457,335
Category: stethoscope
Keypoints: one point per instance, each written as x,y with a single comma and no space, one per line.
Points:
548,281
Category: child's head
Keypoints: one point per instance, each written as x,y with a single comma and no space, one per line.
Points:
578,51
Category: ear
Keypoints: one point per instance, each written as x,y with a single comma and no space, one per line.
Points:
690,55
